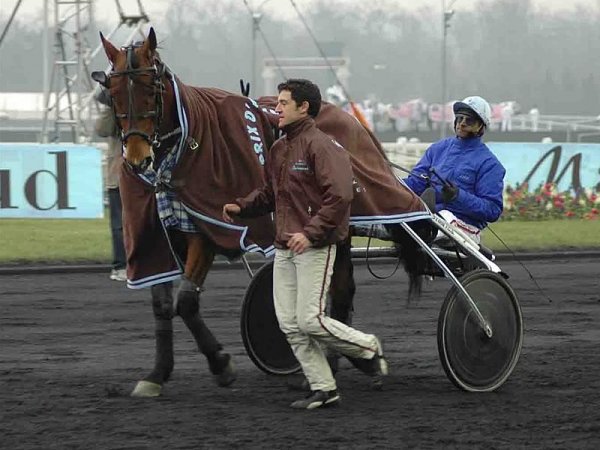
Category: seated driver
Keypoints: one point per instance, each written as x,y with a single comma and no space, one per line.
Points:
466,175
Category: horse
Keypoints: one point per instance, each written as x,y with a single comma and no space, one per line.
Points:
189,150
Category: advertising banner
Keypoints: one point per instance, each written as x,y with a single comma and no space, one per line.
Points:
50,181
569,166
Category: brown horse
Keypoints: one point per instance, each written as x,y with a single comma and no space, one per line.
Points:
188,151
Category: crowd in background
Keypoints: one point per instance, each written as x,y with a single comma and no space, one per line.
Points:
419,115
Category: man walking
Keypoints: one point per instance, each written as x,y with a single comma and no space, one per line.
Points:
105,126
309,188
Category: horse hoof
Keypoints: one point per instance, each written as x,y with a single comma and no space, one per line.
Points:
146,389
227,375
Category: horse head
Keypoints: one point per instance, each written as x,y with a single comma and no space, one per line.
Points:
136,86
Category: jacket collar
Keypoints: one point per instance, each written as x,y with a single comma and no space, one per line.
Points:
467,142
295,128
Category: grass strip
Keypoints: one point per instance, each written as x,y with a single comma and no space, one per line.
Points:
88,241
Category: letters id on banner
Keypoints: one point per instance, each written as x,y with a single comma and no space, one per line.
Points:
50,181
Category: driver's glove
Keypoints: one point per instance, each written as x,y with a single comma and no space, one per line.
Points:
449,192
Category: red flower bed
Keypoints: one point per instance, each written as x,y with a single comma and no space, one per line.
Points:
546,202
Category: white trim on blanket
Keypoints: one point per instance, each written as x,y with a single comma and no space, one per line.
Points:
154,279
388,219
254,248
182,119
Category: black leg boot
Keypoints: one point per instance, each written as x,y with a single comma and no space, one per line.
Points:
162,305
220,363
163,362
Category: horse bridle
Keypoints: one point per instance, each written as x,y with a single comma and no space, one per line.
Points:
157,70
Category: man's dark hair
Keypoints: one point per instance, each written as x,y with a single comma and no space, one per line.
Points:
303,91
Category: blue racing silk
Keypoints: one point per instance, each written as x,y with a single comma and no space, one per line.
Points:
473,168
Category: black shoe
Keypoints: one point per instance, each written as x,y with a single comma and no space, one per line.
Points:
316,399
376,366
379,367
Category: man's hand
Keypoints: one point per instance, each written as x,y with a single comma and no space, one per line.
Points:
298,242
230,210
449,192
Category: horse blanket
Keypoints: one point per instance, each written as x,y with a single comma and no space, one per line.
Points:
219,157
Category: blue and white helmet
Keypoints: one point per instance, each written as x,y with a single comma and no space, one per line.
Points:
478,105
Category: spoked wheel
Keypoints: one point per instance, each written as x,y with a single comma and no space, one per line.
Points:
472,360
265,343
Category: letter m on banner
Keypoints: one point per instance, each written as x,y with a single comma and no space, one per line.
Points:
551,176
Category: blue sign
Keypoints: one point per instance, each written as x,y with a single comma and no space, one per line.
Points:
569,166
50,181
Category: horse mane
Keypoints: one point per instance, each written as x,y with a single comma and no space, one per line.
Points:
202,106
195,107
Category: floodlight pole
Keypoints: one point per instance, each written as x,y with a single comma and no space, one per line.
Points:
447,14
256,18
45,54
255,24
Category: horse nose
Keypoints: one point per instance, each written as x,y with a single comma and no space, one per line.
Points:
146,162
140,166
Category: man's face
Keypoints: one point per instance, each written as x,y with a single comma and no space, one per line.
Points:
289,111
467,126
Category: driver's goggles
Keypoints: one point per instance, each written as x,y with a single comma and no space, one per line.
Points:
468,120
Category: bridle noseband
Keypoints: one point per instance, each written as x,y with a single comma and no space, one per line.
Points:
157,70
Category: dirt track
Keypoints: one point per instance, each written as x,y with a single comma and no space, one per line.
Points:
72,347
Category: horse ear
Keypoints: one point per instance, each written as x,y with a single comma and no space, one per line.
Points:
100,77
245,88
151,40
111,51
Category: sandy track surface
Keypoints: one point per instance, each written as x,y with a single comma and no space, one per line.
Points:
73,346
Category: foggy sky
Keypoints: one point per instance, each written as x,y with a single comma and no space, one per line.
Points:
106,10
500,49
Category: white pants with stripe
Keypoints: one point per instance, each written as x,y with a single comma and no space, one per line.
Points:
300,286
473,232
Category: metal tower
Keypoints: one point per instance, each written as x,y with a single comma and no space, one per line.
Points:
69,91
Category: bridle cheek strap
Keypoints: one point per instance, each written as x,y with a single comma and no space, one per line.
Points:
157,71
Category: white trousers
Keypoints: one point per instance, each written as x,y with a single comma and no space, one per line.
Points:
300,286
468,229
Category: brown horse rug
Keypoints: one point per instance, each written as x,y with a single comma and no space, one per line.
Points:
220,156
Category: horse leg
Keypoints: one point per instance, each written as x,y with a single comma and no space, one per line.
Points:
199,259
162,306
342,287
413,259
341,292
415,287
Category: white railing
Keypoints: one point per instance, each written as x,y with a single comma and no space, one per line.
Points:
405,154
570,124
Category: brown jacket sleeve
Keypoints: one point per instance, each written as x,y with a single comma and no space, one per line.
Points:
333,173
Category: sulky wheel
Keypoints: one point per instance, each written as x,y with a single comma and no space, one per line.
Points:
473,361
265,343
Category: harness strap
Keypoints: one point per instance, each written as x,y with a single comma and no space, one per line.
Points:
175,132
191,142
